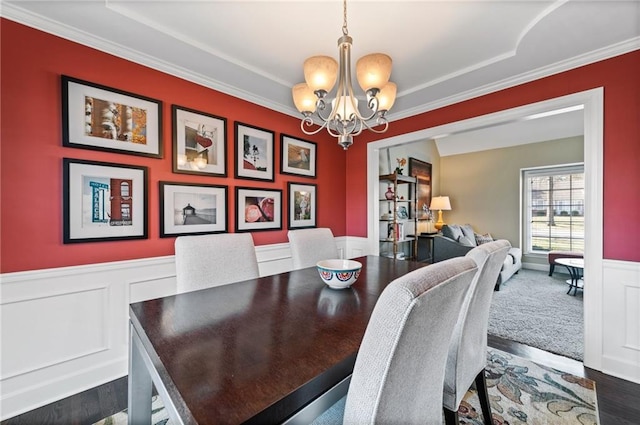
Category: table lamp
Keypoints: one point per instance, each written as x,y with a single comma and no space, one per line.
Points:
440,203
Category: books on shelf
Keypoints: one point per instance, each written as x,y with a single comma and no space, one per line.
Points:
395,231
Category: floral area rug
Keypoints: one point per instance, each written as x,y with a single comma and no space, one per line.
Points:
523,392
520,391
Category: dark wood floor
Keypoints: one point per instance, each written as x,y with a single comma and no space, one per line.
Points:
618,400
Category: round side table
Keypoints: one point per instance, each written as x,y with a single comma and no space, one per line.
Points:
576,271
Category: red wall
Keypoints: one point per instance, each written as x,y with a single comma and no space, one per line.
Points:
31,151
620,77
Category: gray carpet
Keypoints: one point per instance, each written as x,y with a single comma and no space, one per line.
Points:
534,309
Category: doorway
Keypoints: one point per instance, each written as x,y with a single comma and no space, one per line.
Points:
592,103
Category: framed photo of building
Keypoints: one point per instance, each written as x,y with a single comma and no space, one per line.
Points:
192,209
422,171
103,201
258,209
298,157
303,205
107,119
254,153
199,142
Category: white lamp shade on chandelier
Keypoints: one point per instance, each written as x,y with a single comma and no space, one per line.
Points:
344,120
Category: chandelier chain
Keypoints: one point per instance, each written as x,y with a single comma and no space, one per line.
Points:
345,30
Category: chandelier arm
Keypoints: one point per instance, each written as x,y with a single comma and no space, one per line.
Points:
308,122
379,121
333,132
321,106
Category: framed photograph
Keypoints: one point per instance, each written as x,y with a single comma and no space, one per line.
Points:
199,142
402,212
422,171
258,209
303,205
254,153
192,209
298,156
106,119
103,201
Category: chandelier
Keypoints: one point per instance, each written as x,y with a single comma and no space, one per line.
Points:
342,118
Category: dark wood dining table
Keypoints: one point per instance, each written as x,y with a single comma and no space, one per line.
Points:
256,351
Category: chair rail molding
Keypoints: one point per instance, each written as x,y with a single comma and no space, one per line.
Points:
65,330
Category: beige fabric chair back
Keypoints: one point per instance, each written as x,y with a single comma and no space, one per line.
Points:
399,369
468,352
212,260
308,246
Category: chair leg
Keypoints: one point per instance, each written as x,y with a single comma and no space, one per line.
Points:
483,395
551,267
450,417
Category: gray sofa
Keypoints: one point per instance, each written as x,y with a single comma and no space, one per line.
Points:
456,240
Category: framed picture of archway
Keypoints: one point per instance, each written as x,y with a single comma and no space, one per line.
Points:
422,171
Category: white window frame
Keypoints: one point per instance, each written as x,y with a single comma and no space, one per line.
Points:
525,174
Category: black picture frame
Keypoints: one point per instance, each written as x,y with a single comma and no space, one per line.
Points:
199,142
297,157
254,153
258,209
103,201
192,208
103,118
302,205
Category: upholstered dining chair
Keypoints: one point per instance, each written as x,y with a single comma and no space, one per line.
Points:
308,246
204,261
468,350
399,369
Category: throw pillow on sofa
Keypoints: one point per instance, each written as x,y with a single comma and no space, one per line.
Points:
463,240
480,239
452,231
469,234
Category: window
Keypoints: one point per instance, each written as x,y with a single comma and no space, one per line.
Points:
554,209
124,189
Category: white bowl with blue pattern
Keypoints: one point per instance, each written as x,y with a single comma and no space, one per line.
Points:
339,274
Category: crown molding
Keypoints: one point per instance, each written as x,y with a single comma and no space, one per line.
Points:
556,68
12,12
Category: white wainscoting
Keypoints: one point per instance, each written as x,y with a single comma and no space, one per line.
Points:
65,330
621,319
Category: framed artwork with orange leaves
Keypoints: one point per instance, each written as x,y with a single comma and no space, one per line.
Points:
103,118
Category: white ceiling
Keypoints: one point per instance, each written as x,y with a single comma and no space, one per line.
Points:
443,51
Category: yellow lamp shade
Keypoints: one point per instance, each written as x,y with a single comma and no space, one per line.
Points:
320,72
387,96
373,71
303,98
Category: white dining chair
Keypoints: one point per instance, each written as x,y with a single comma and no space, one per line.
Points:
468,351
211,260
399,369
308,246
